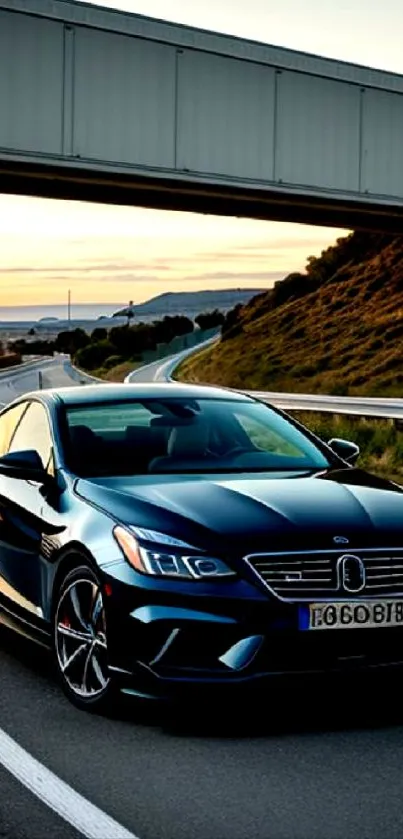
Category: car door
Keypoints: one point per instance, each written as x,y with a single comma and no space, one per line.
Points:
23,511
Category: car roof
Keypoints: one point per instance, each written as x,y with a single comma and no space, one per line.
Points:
116,392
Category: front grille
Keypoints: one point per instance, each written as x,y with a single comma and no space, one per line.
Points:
384,575
316,575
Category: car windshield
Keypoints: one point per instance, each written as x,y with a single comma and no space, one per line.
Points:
179,435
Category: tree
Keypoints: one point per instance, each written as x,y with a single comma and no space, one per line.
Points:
172,326
232,325
208,320
182,325
93,355
99,334
38,347
70,342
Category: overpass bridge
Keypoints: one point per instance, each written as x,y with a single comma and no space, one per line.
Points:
106,106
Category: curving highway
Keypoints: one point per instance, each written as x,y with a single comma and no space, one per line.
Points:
376,407
38,374
59,372
162,370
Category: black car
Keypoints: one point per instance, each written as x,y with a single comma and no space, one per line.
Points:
167,538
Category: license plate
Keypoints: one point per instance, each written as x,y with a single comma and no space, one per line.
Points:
370,614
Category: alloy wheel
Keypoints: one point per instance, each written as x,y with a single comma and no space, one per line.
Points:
80,639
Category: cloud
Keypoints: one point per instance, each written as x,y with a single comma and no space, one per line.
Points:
134,276
126,278
75,269
134,279
120,270
261,263
275,254
287,243
266,276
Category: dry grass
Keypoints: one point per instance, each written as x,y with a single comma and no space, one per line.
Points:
337,329
118,373
380,442
342,335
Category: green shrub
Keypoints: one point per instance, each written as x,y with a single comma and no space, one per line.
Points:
112,361
94,355
10,359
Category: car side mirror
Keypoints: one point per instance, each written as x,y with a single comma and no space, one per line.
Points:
25,465
345,449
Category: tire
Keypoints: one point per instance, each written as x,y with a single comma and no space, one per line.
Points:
80,643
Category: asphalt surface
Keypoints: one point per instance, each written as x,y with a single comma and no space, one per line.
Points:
157,371
162,370
53,372
154,372
24,816
321,761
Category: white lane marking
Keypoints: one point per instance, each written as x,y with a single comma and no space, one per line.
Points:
56,794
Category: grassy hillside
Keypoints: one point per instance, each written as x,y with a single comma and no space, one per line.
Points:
337,328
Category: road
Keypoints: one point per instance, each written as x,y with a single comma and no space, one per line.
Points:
42,373
162,370
375,407
279,772
58,372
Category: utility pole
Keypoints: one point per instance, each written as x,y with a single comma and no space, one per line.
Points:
69,308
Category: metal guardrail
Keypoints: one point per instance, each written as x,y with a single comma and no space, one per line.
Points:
382,408
25,367
351,405
80,376
376,407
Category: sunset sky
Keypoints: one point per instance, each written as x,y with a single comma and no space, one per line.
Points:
113,254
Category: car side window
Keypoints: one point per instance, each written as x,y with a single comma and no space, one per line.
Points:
9,421
33,432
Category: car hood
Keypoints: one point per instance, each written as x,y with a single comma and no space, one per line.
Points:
257,512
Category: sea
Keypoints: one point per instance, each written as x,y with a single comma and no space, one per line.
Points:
79,311
47,321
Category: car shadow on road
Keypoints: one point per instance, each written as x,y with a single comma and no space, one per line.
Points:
306,704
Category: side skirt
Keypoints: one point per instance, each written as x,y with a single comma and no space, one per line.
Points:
35,629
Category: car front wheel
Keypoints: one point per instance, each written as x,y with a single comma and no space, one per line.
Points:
80,641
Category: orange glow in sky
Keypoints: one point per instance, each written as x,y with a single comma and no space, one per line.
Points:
112,254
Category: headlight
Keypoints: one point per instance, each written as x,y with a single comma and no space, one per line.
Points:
168,563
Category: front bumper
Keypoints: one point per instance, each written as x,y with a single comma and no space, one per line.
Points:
164,640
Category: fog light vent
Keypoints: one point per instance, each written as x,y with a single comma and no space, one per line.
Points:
242,653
